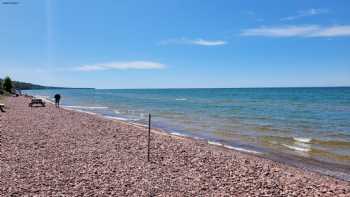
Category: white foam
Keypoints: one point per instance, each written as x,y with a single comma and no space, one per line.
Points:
79,110
82,111
234,148
296,148
139,124
142,115
181,99
198,138
302,144
178,134
242,149
214,143
116,111
85,107
116,118
302,139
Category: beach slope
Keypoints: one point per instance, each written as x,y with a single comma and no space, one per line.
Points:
53,152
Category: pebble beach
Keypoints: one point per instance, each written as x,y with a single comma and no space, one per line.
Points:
46,151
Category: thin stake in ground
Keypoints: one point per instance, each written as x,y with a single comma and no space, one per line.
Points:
149,135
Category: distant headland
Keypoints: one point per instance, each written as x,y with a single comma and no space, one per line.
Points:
19,85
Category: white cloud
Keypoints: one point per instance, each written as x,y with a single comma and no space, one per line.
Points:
305,13
299,31
333,31
209,42
139,65
200,42
285,31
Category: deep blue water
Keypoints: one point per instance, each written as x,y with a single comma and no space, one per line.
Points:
310,122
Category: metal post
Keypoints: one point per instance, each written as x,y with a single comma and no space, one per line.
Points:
149,135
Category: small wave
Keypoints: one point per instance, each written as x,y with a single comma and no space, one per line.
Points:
214,143
198,138
234,148
303,140
242,149
116,118
140,124
181,99
301,144
178,134
143,115
82,111
116,111
299,149
85,107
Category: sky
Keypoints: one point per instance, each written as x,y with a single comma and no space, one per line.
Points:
176,43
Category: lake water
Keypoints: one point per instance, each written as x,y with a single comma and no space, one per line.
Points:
312,123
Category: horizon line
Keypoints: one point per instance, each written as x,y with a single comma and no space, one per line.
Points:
252,87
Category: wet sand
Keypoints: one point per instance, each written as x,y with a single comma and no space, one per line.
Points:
54,152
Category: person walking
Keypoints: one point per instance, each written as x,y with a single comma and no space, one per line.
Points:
57,100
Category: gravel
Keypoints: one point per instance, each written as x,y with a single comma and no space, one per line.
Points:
45,151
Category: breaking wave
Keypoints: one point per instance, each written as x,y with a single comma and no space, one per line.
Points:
181,99
303,140
179,134
214,143
242,149
116,118
297,148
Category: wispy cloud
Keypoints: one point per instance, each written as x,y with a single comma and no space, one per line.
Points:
299,31
139,65
200,42
208,42
305,13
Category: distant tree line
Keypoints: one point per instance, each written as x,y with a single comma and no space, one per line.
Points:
10,86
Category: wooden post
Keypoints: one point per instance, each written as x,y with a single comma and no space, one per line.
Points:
149,135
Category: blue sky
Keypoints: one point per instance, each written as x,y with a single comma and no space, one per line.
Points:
176,44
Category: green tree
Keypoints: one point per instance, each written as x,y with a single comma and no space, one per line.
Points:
7,84
1,92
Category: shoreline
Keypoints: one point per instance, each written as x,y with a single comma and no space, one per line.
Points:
155,129
320,167
300,162
168,147
239,120
323,168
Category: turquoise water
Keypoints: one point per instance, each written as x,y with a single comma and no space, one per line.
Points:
308,122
